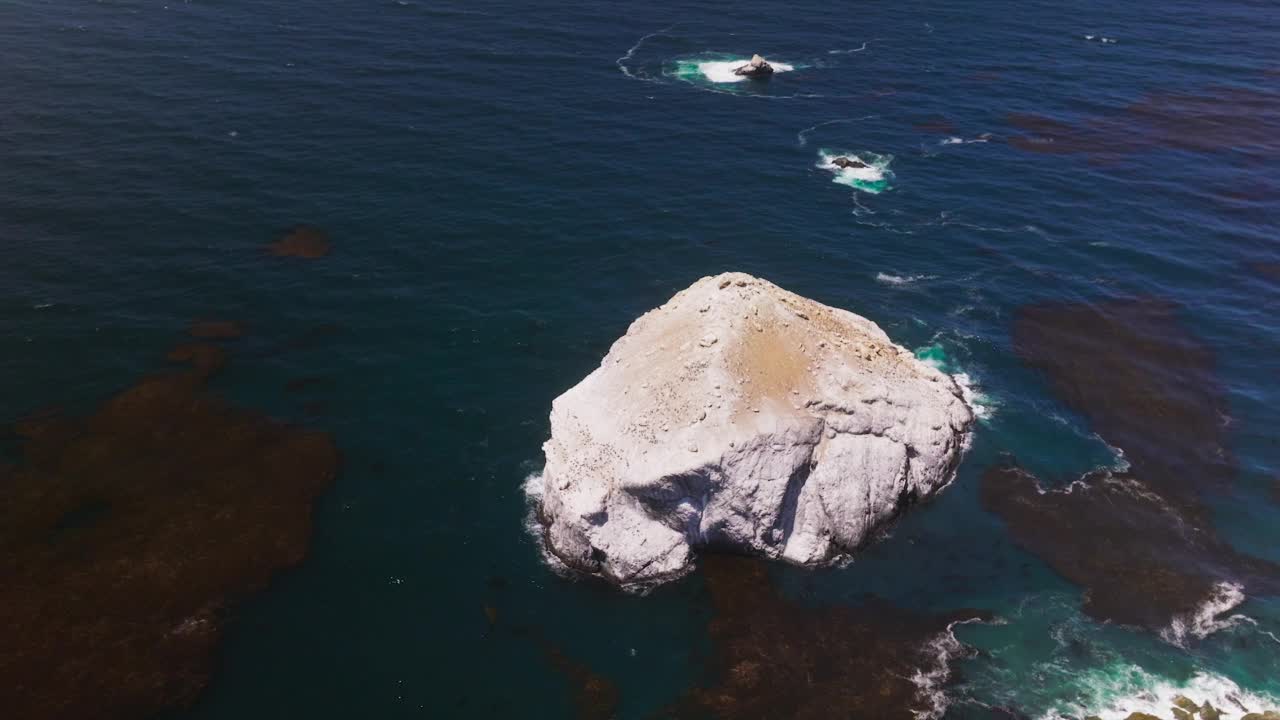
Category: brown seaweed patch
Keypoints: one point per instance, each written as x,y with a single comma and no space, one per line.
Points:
1144,383
939,124
775,658
595,697
215,330
1141,560
1141,542
1267,270
302,241
125,536
1215,118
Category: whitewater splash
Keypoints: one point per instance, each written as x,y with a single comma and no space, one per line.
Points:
720,69
1207,618
533,488
873,179
1116,692
982,405
931,680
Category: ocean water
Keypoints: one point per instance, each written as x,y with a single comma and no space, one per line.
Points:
508,185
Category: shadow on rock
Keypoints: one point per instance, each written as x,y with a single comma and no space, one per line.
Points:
1139,542
774,658
126,535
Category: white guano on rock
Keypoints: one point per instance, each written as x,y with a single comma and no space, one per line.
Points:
742,416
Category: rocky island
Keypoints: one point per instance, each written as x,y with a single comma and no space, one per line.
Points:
744,417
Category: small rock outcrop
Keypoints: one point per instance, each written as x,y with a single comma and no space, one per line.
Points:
742,416
757,68
845,162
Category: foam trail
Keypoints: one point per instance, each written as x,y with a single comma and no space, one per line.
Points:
953,140
853,50
631,52
802,137
1204,620
901,279
1114,693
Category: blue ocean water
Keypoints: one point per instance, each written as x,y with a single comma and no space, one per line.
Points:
508,185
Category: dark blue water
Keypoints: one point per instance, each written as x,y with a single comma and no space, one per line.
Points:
508,185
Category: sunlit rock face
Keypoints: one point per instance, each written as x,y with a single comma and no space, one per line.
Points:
742,416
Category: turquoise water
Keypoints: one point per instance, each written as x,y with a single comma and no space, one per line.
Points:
508,186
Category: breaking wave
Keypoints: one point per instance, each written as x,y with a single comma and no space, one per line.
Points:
1115,692
982,405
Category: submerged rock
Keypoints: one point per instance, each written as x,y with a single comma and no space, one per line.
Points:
742,416
757,68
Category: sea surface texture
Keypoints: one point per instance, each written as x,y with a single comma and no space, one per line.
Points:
401,228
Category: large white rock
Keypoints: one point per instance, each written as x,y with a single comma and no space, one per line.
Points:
742,416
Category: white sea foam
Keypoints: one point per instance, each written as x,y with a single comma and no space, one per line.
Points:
853,50
721,71
953,140
931,679
1207,618
935,356
982,405
888,279
533,487
1116,692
